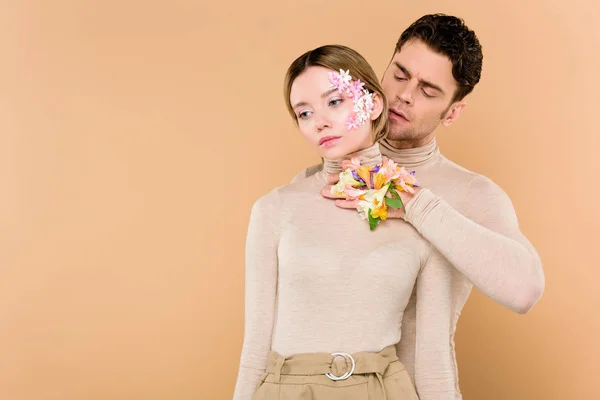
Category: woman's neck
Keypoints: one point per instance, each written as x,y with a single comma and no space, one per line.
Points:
369,156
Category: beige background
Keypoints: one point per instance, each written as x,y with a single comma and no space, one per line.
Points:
135,136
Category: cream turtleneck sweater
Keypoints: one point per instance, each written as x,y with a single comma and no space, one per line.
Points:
318,280
476,241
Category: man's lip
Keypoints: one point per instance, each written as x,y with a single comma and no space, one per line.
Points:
399,113
327,138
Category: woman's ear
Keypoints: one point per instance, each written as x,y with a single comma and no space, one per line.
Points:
377,106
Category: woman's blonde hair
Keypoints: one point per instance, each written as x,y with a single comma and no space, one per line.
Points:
338,57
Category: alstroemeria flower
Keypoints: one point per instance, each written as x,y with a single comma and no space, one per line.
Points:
363,209
353,164
353,193
406,180
379,179
365,174
376,200
346,178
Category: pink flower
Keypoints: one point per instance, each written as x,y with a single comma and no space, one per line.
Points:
353,164
335,78
340,80
355,89
352,122
406,180
353,193
391,171
406,188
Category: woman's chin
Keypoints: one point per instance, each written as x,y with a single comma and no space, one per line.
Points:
334,153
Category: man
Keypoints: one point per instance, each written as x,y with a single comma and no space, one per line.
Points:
468,219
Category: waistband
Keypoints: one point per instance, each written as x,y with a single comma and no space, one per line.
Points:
337,366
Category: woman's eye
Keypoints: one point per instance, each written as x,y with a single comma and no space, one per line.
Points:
335,102
399,78
303,114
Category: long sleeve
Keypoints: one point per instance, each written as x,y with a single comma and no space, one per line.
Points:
261,294
405,348
486,245
435,368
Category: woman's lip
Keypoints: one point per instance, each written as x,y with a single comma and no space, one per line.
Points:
329,141
326,139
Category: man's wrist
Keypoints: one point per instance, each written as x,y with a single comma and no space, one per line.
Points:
406,197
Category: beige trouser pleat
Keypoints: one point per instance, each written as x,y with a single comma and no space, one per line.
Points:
377,376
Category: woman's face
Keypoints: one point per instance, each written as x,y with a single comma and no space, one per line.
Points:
323,114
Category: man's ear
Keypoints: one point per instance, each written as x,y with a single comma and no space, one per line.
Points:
453,113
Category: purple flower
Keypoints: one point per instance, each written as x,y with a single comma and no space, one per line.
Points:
357,177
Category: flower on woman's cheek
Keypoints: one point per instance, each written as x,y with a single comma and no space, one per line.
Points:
353,122
354,89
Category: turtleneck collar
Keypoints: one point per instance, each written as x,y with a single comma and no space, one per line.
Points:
369,156
410,158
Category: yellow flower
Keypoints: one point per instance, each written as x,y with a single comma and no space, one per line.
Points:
375,200
379,180
380,210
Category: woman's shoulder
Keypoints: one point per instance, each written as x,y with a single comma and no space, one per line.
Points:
287,193
307,172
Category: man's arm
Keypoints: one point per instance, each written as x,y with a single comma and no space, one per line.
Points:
486,245
435,371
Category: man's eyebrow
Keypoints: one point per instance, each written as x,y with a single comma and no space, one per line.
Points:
421,81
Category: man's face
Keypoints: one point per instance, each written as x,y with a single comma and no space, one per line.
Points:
419,86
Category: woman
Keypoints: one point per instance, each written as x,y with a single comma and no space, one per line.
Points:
325,295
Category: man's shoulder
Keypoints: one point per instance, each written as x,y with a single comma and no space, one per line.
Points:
468,178
474,192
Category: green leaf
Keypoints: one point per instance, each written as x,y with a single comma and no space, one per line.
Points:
393,203
372,221
394,192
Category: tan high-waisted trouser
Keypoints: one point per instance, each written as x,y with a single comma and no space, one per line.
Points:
375,376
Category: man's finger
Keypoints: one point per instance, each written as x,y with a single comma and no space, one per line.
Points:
350,204
333,178
326,192
395,213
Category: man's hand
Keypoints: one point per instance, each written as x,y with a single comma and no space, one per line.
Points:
344,202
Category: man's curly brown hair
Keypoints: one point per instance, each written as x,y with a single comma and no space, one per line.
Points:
449,36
